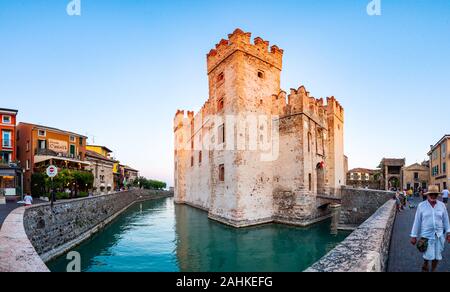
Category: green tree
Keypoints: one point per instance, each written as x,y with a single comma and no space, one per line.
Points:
38,184
149,184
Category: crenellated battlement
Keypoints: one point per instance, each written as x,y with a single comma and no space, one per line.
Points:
279,103
300,101
335,108
240,41
178,120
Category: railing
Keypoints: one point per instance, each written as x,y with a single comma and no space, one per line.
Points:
48,152
7,144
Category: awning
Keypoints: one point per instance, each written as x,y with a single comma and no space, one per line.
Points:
42,158
8,172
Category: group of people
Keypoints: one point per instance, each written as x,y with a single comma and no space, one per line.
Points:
431,228
404,199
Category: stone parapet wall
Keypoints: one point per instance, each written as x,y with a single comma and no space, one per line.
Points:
366,249
359,204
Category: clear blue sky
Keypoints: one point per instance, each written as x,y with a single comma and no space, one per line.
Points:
120,70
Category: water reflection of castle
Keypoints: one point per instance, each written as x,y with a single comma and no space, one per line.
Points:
206,246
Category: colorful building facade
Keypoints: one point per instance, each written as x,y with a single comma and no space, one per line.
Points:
416,176
365,178
102,167
10,173
129,175
439,162
40,146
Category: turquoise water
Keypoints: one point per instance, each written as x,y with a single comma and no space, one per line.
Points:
162,237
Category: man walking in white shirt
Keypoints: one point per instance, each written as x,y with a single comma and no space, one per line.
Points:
445,196
432,227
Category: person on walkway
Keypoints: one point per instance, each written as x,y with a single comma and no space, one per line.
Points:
403,199
28,199
418,193
445,196
432,226
424,195
398,203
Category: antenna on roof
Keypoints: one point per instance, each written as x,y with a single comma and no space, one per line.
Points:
93,138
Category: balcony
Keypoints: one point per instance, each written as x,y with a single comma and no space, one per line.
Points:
8,163
47,152
7,144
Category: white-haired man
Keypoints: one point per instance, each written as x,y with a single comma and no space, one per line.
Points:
432,226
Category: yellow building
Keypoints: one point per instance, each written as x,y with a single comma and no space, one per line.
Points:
439,161
102,150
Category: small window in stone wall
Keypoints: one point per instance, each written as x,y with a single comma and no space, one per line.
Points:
221,134
200,157
261,74
220,77
222,172
192,161
220,105
310,182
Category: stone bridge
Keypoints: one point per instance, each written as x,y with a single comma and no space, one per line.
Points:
323,201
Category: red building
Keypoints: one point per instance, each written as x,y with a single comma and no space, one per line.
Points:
10,172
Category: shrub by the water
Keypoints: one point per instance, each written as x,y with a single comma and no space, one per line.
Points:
83,194
149,184
62,196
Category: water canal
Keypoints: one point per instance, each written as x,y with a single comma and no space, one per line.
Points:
158,236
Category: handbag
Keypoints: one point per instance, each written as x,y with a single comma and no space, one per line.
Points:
422,245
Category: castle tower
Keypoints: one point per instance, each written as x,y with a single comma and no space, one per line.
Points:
243,77
335,158
180,155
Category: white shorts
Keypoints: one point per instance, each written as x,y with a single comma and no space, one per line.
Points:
435,249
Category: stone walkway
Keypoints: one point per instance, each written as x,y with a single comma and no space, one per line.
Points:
16,252
7,208
403,256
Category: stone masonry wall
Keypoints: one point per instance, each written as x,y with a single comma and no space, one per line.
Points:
72,221
366,249
359,204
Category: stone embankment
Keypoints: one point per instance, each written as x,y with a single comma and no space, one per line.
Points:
31,236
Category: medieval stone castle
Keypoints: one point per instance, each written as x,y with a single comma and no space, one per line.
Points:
235,185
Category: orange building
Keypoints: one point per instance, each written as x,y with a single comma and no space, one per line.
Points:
8,130
10,173
40,146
